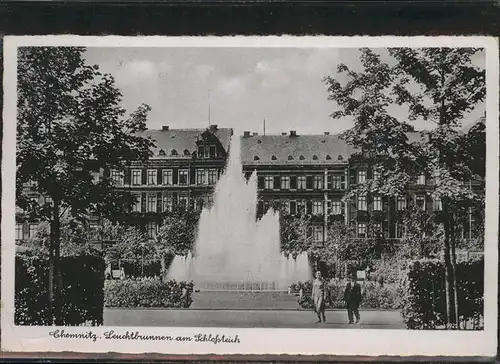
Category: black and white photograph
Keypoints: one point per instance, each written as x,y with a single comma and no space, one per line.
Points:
188,194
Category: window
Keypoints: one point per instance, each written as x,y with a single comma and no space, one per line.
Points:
301,207
136,177
318,182
301,158
361,230
201,176
19,231
361,176
401,203
317,232
399,231
317,207
212,151
168,177
208,200
137,207
285,182
336,207
438,204
286,206
48,200
161,153
95,177
377,203
201,151
376,174
32,230
268,182
183,176
315,157
167,202
212,176
151,230
273,158
255,158
377,227
173,152
117,177
421,179
362,203
93,232
151,206
301,182
183,201
420,201
290,158
152,177
336,182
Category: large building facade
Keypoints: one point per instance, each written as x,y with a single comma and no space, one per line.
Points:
306,174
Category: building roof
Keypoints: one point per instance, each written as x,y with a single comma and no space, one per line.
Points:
300,149
184,139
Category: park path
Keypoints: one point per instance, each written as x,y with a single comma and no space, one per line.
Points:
243,318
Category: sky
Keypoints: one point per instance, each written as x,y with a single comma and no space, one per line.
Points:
242,86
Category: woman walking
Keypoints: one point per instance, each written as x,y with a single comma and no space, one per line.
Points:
318,297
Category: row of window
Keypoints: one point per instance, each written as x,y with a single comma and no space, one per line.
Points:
204,176
204,151
167,202
270,182
362,176
400,203
26,234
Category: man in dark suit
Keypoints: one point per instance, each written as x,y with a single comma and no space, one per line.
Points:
352,298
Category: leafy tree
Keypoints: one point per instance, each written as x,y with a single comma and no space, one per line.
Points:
71,126
177,234
438,85
295,238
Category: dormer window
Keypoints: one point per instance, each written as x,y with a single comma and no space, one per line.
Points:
290,158
173,152
302,158
315,157
340,158
274,158
328,157
161,152
201,151
186,152
255,158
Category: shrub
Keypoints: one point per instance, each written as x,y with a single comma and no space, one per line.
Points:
135,268
424,301
81,291
130,293
373,296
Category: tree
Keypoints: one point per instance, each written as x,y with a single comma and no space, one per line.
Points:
70,126
177,234
295,238
438,85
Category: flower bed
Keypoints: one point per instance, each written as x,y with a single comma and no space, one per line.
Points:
373,296
130,293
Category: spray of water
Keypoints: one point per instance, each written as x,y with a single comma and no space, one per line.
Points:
233,250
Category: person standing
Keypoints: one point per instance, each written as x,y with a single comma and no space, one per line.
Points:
318,297
352,298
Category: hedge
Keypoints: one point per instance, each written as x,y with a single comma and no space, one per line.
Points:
373,296
424,301
131,293
81,292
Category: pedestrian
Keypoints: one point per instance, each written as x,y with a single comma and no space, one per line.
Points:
352,298
318,297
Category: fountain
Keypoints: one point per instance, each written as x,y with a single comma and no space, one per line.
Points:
233,250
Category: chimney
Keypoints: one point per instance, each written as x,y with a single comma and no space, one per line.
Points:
255,134
246,134
283,133
293,133
164,128
213,127
327,133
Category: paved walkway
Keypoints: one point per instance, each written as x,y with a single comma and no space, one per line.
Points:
247,318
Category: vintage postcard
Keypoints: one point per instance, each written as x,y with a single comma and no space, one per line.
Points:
250,195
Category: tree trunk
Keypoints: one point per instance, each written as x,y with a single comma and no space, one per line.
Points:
448,274
454,269
55,281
